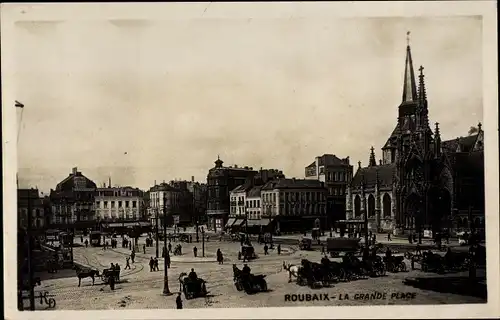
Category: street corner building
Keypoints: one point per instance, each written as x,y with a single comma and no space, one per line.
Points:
421,183
73,202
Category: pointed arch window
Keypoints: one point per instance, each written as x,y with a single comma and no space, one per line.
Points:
357,206
386,205
371,205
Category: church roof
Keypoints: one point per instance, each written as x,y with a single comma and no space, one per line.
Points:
385,174
465,143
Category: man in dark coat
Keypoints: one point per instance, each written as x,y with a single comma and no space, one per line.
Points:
178,301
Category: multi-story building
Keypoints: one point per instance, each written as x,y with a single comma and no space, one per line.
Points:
238,205
422,183
220,181
199,193
29,199
336,173
73,202
294,204
164,204
186,204
118,203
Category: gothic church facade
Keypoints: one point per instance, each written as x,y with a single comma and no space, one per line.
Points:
421,181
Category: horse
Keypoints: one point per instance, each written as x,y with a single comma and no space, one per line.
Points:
85,273
293,270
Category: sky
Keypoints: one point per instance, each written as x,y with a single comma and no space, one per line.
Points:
146,100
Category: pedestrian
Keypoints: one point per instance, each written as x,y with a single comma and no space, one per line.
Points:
322,249
156,267
86,243
279,248
151,264
190,239
169,247
266,248
132,256
178,301
220,259
167,260
389,236
117,268
112,282
195,252
144,248
81,239
127,261
130,245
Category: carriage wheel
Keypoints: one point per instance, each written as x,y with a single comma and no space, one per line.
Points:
402,266
263,286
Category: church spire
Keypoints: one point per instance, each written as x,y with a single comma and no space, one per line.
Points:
409,85
372,162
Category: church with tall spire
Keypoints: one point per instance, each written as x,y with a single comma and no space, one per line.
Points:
420,182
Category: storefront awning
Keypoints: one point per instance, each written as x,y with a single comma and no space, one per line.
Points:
230,222
239,222
260,222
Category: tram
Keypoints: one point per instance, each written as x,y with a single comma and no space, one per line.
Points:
95,238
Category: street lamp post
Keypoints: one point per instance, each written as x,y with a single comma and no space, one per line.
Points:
203,241
166,290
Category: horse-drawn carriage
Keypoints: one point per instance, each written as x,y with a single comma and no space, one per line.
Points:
395,264
432,262
314,274
337,245
248,282
192,288
305,244
247,252
108,273
183,237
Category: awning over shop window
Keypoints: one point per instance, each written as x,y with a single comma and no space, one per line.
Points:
230,222
238,222
260,222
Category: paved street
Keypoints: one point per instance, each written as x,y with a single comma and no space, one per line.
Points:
141,288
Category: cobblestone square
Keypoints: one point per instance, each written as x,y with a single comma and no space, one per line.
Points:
140,288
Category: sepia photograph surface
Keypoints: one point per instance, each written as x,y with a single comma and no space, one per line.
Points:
254,160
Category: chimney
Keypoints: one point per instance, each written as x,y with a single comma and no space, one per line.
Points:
74,170
192,178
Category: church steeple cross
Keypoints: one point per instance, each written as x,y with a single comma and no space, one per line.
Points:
421,69
408,38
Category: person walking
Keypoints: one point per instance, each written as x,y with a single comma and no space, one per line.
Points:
117,268
178,301
127,261
151,264
220,258
266,248
195,252
279,248
86,243
169,247
156,267
81,239
144,248
132,256
389,236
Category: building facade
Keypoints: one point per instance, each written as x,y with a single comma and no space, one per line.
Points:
220,181
73,201
118,203
164,204
293,204
336,173
29,200
421,183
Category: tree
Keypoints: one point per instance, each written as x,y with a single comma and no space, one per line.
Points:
473,130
